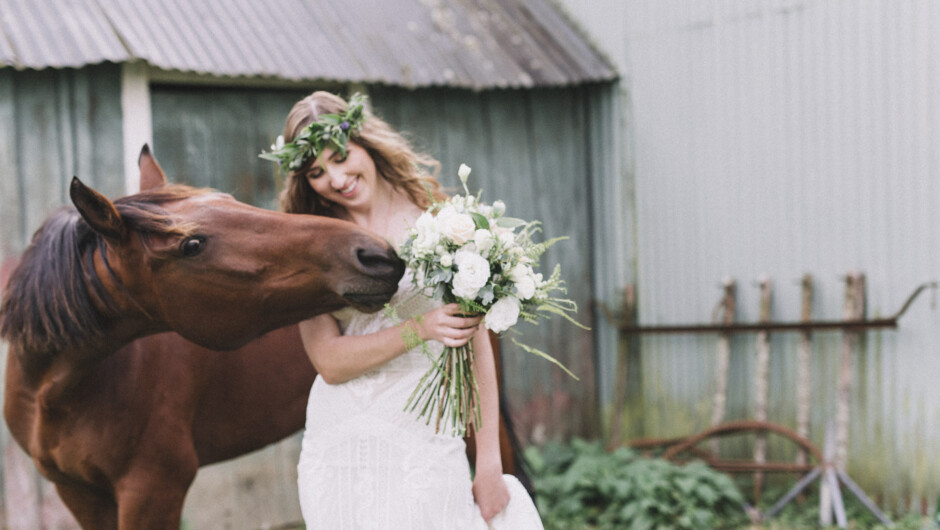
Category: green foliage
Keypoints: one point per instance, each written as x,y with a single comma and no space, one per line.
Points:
583,486
330,130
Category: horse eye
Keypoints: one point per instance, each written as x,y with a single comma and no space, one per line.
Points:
192,246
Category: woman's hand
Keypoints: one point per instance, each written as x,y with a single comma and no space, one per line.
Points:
490,492
444,324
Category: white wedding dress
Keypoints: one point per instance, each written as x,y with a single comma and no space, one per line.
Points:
367,464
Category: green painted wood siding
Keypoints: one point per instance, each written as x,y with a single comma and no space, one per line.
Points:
530,149
212,136
55,124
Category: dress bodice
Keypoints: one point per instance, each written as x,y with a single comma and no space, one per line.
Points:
408,302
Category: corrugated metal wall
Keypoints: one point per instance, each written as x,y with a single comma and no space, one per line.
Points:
53,124
782,137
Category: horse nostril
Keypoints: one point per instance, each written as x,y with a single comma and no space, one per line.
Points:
380,261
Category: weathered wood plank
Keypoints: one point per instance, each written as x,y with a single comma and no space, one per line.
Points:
21,489
12,233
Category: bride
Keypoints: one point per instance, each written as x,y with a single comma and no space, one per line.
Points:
368,464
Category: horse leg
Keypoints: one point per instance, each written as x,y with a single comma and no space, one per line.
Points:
92,508
151,505
150,495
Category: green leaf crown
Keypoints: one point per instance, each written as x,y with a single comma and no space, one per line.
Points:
329,130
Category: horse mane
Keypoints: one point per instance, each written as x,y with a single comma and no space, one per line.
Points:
48,304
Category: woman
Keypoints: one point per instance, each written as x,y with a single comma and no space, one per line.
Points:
365,462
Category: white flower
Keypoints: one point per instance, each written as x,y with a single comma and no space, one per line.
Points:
484,240
473,271
524,279
506,238
525,288
503,315
499,207
427,234
463,172
278,143
457,226
447,260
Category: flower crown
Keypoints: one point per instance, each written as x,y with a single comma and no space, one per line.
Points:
329,130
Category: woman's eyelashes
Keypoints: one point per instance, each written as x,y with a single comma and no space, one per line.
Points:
316,172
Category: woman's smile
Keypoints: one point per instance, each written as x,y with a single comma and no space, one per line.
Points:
350,190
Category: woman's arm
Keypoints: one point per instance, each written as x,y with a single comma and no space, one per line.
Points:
339,358
489,489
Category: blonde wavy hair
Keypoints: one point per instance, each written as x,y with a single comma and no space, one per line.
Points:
395,160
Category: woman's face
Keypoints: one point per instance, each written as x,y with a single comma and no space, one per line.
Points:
348,181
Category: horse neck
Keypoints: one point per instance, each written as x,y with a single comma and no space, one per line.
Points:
54,374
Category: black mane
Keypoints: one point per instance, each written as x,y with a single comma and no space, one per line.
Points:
48,304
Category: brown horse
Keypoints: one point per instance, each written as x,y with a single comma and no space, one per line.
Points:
118,413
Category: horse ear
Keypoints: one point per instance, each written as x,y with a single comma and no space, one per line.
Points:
151,174
97,210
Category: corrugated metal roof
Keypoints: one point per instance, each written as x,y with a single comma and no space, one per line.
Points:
461,43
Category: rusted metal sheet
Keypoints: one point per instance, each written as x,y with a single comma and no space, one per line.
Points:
461,43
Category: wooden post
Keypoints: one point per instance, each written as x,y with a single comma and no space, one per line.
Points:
761,383
804,351
726,307
854,310
837,458
628,317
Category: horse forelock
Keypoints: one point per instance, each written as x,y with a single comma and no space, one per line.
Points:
48,304
144,214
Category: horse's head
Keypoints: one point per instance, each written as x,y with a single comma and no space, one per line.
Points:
220,272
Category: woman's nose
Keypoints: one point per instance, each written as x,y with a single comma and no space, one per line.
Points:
337,176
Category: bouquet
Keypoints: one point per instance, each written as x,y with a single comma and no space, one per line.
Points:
472,254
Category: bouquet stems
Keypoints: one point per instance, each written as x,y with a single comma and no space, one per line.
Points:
448,392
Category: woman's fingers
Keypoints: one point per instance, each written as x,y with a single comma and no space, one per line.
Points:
447,325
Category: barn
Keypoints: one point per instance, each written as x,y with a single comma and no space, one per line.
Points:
509,87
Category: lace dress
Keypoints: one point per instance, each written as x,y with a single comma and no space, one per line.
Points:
367,464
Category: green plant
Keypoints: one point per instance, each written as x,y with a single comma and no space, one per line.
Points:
581,485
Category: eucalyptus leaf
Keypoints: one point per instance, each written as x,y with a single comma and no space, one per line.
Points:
479,221
509,222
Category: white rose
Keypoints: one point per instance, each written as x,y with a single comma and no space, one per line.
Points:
473,271
447,260
428,235
499,207
457,226
503,315
484,240
525,288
